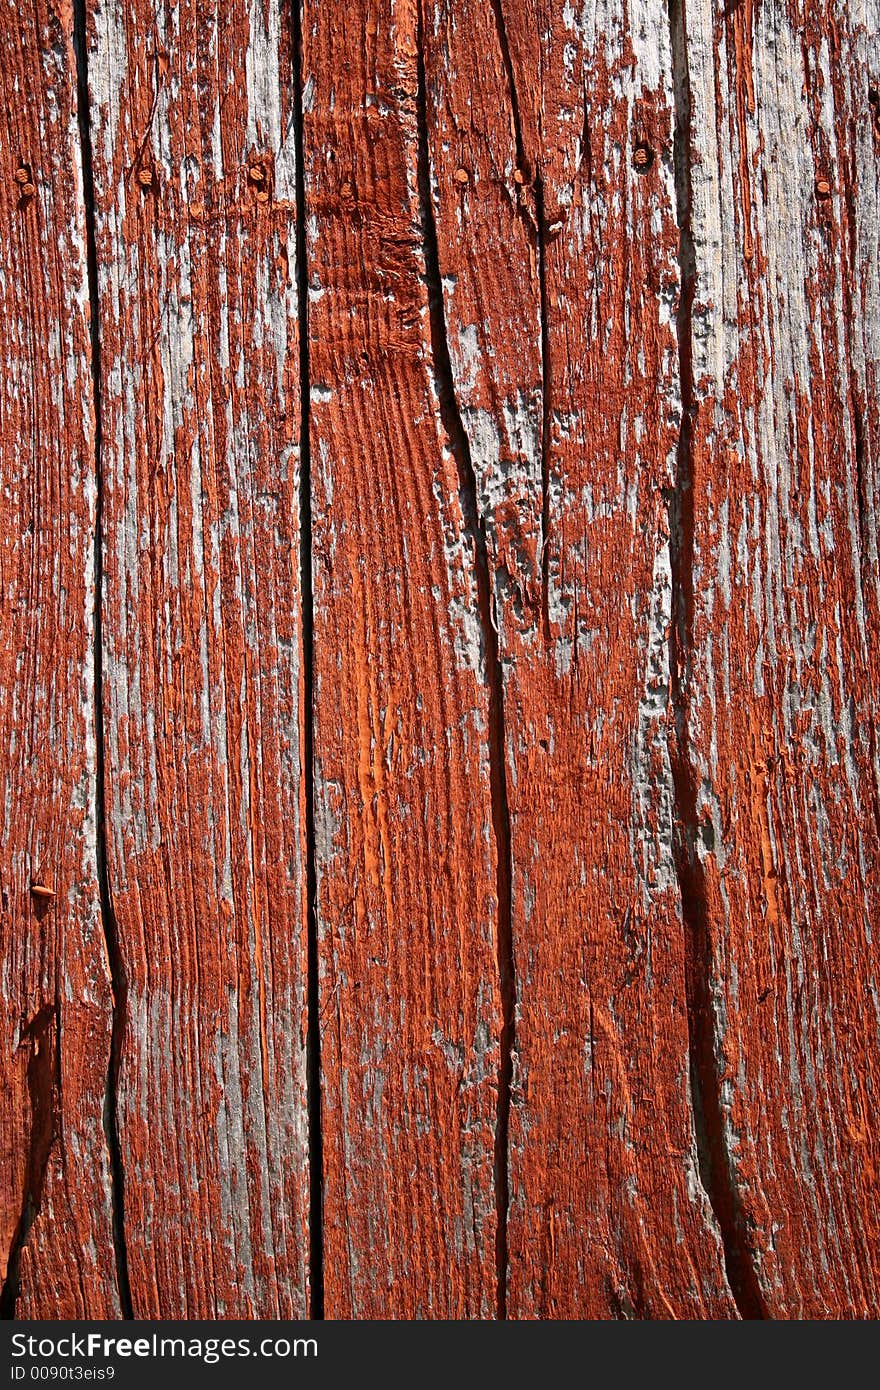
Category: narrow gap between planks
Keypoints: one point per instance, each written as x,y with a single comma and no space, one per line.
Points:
313,1040
118,980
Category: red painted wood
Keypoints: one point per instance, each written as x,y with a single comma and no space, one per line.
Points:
565,231
515,684
783,624
407,900
195,227
55,1001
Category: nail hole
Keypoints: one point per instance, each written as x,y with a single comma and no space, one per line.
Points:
26,186
258,178
643,157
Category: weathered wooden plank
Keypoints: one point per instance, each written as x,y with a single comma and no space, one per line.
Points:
590,571
195,228
553,156
55,997
780,624
406,855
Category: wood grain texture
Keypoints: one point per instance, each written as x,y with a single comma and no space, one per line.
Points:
195,230
55,998
559,261
407,900
782,673
439,612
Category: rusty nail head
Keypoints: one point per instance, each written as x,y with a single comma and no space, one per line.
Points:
41,892
519,176
22,174
462,175
823,188
643,156
145,176
256,173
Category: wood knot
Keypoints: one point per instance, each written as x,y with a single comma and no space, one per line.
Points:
643,157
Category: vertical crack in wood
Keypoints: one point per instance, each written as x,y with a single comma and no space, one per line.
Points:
501,30
536,231
492,673
43,1083
313,1039
716,1167
545,406
867,561
118,979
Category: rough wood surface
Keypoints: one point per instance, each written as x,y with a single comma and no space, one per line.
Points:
438,665
407,896
55,997
194,223
559,261
779,621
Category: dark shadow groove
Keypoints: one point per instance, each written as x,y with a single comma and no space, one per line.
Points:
541,248
313,1042
536,231
715,1162
493,674
118,979
43,1081
501,29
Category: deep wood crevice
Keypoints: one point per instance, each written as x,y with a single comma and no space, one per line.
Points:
43,1083
475,528
716,1166
313,1041
504,45
541,239
118,978
536,230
